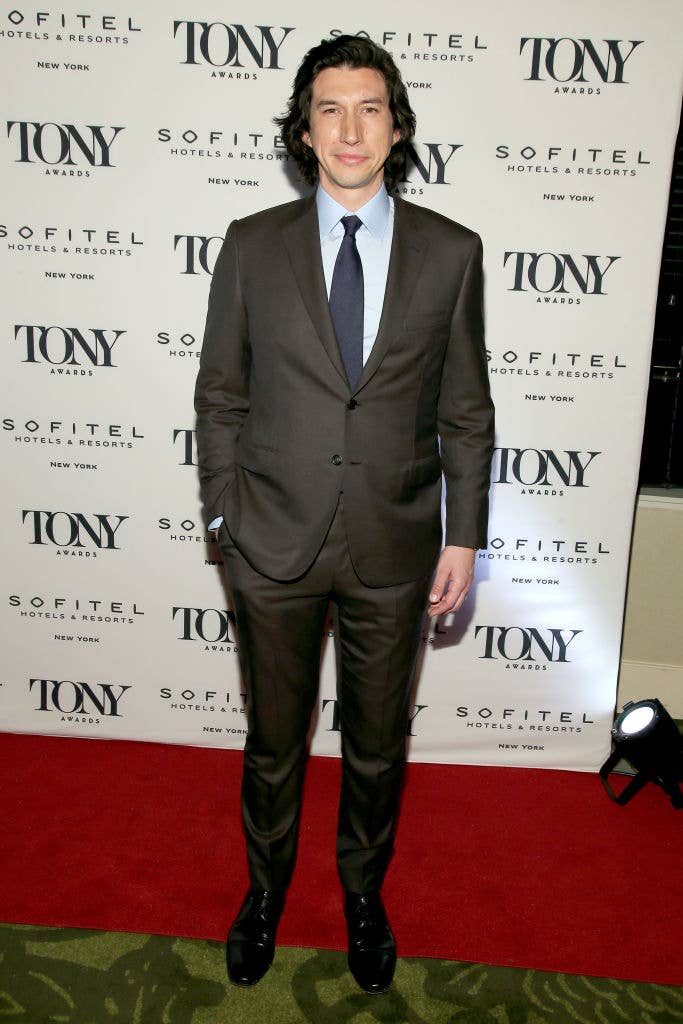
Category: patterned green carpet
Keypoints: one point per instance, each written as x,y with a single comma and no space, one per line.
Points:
73,976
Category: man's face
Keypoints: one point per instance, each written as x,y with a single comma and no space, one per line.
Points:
351,132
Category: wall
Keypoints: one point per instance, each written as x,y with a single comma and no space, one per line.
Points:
652,652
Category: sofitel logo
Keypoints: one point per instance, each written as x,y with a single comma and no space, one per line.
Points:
73,529
550,551
534,467
221,45
568,365
180,345
52,143
197,255
75,609
70,346
210,625
567,60
559,273
65,240
587,161
526,644
78,698
444,46
59,22
72,434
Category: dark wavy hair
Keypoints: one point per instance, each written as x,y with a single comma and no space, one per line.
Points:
352,52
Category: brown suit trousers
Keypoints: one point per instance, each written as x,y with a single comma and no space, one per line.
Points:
280,628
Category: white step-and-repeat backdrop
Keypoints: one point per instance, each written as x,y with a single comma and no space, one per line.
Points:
131,138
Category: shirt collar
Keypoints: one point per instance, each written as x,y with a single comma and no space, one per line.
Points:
375,214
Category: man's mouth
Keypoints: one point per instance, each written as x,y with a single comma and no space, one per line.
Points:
351,159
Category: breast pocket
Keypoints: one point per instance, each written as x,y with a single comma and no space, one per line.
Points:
427,323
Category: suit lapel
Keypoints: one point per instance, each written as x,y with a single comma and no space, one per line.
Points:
408,248
302,239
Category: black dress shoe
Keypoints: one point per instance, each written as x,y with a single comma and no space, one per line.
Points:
251,940
372,947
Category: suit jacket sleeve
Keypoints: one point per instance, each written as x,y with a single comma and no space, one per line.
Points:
222,388
465,414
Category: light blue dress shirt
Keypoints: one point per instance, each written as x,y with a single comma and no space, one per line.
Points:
373,241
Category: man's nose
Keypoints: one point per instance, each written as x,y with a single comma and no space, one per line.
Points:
350,129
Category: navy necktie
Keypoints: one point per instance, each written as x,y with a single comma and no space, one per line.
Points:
347,301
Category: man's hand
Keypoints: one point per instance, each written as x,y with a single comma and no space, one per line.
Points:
452,580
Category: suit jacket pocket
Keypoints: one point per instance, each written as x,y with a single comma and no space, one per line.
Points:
427,322
257,458
425,471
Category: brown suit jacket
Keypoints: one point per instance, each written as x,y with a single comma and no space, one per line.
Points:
280,432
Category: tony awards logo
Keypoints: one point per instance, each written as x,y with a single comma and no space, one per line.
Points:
428,161
73,533
187,441
526,647
581,62
221,45
330,712
214,627
199,252
65,347
78,698
541,470
62,146
556,277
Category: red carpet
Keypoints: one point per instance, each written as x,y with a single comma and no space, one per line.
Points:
495,865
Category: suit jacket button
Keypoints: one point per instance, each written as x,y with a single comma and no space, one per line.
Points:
351,404
336,460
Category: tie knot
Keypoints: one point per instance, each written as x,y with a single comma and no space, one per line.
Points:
351,225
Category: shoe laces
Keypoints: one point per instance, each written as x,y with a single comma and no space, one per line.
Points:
265,906
368,914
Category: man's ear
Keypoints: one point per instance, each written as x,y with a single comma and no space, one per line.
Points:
306,139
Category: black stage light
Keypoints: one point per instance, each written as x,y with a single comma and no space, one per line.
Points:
646,736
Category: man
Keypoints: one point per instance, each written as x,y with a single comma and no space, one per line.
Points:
342,371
